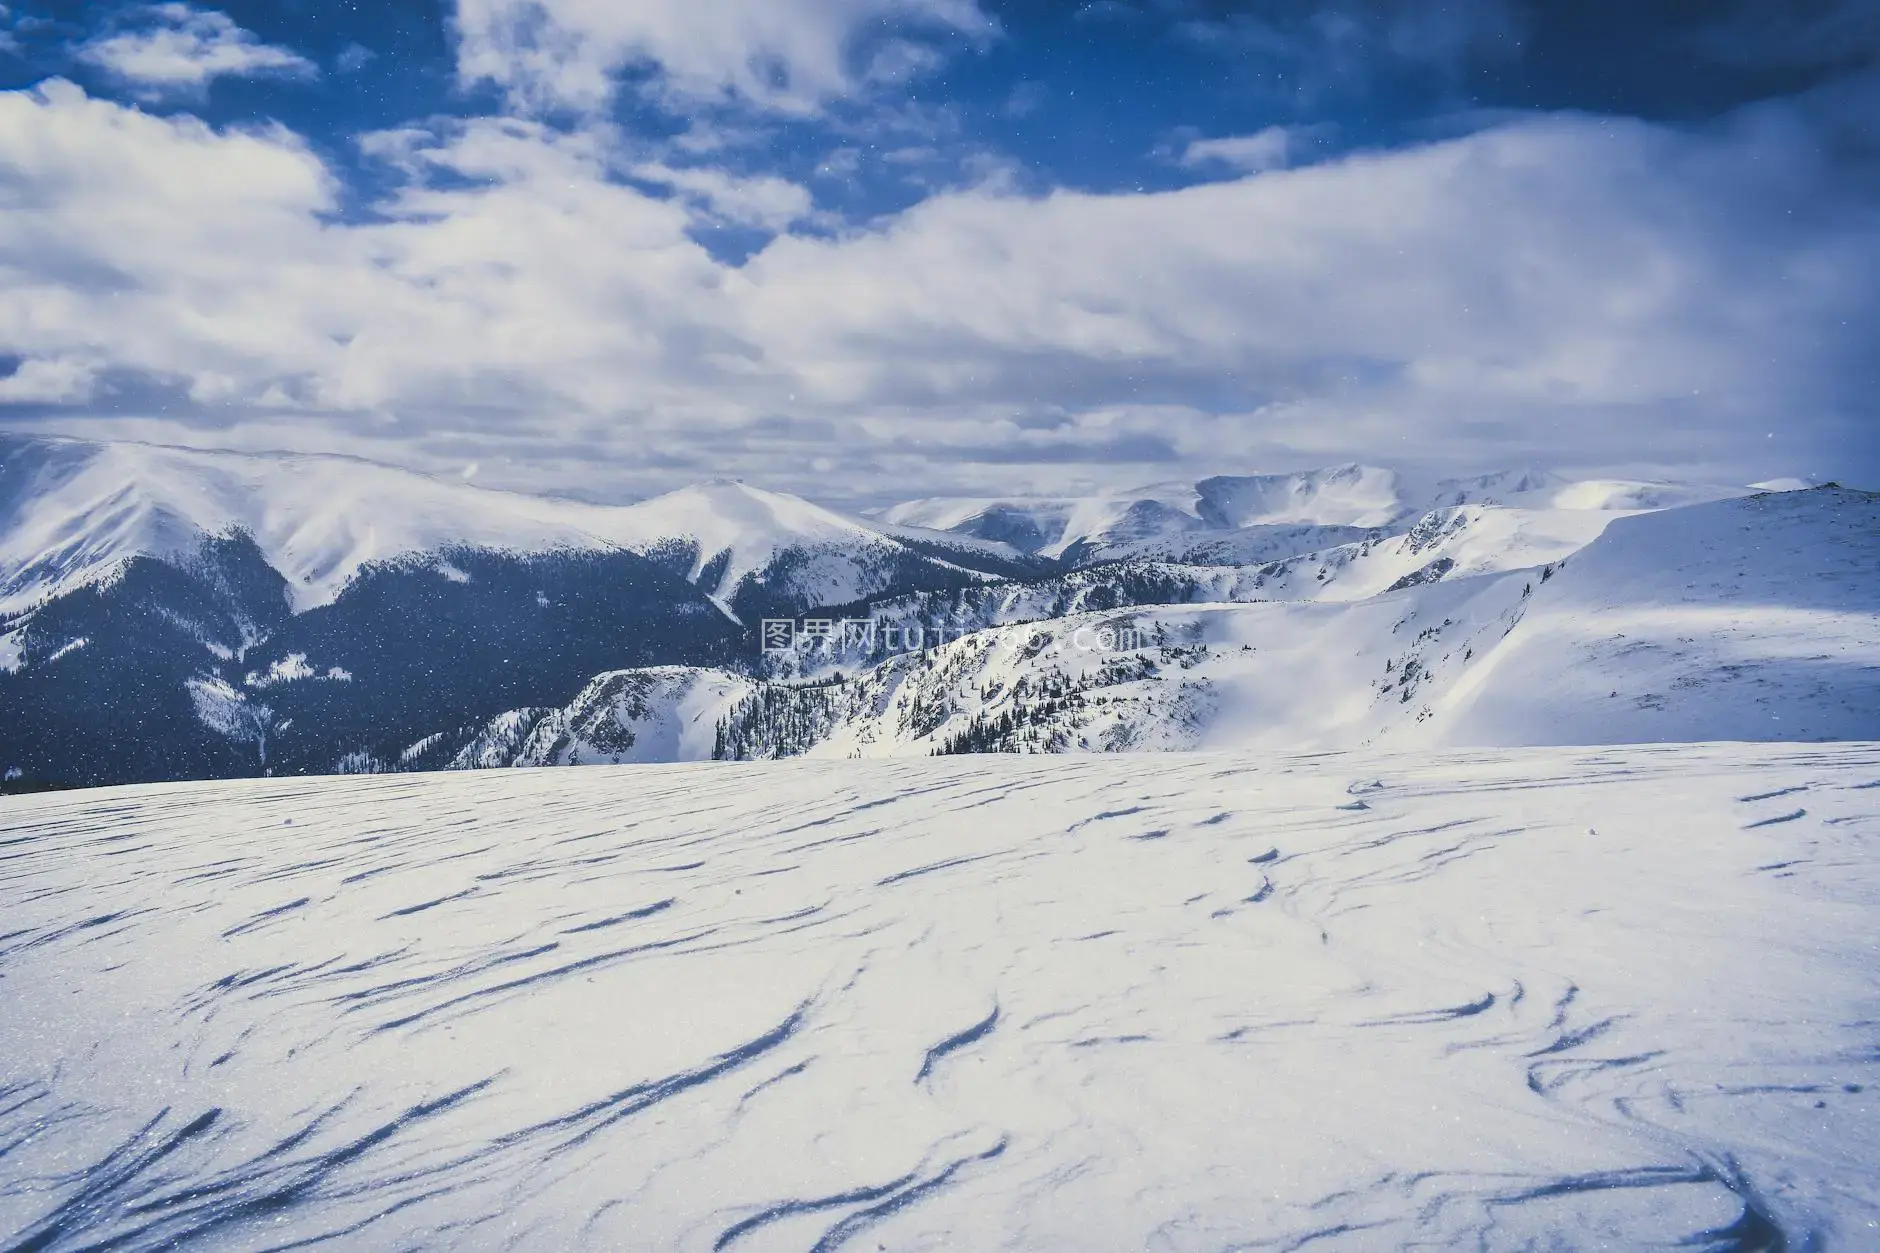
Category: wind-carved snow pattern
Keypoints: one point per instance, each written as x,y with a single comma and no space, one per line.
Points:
1561,998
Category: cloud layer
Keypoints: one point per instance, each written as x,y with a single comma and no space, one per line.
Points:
789,55
173,48
1571,289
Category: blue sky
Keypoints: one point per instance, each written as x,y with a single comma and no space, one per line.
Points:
867,248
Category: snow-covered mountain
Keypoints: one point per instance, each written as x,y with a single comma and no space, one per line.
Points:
1449,543
660,713
1157,519
312,613
1748,619
317,613
1499,1001
71,512
1249,519
1345,495
756,552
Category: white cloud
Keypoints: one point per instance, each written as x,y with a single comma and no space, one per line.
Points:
1267,149
56,380
1564,268
1563,288
787,55
353,58
177,48
762,201
843,163
162,246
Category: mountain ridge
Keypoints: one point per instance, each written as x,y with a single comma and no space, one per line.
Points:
171,613
1746,619
70,509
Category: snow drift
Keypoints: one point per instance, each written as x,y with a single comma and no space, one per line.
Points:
1514,1000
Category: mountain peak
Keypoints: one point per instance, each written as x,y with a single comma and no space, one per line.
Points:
71,511
733,510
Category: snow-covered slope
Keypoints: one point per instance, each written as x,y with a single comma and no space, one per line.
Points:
656,713
1499,1001
1255,545
1746,619
1542,489
1449,543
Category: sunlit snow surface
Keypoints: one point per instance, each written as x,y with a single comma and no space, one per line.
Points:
1619,998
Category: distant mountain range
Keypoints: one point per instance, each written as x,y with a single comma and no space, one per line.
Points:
169,613
1748,619
71,511
1267,516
